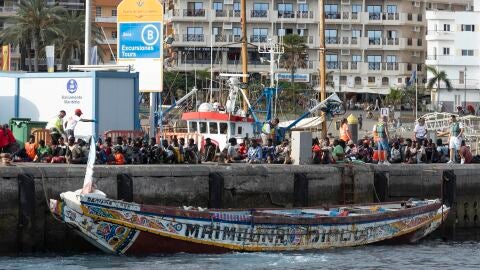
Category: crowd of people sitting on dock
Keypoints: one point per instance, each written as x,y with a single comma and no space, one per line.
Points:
380,148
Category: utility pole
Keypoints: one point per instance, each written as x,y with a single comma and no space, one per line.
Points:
322,73
243,14
465,88
88,11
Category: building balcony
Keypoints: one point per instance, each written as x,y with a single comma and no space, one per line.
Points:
452,60
109,41
433,35
332,16
286,15
194,12
259,14
304,15
106,19
193,38
258,38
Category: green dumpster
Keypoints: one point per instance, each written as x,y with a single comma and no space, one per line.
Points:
22,128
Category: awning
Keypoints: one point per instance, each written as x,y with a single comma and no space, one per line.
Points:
304,123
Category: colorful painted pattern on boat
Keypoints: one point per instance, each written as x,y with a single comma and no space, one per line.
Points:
239,232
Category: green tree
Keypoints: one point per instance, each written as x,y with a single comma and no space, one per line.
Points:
295,56
394,97
437,78
71,36
34,19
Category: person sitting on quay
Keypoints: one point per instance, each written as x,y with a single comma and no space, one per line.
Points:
465,154
338,152
243,149
282,153
231,151
210,150
75,152
44,153
7,140
59,151
31,148
420,130
168,153
365,151
254,154
442,151
177,151
119,158
395,153
268,151
191,152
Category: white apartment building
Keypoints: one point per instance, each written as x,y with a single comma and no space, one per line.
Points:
372,45
453,46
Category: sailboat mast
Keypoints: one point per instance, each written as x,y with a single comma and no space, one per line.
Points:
243,14
321,73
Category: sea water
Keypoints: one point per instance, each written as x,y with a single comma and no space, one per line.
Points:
433,254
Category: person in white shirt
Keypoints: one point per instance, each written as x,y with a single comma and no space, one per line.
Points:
420,131
72,121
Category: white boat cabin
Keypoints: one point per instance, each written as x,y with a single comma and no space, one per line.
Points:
219,126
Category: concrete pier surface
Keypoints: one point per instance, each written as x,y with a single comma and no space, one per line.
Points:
27,226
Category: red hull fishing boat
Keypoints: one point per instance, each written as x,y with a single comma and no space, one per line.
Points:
128,228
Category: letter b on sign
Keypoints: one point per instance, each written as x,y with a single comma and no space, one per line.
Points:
150,35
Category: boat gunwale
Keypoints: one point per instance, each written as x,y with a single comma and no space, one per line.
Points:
262,218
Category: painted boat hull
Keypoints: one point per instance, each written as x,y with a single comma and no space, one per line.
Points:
127,228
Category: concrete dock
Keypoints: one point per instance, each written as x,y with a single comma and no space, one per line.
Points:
27,226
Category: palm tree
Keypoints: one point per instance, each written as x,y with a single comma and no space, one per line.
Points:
437,78
295,54
394,97
36,20
71,36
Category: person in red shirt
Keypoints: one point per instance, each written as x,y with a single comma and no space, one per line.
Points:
7,140
465,153
118,155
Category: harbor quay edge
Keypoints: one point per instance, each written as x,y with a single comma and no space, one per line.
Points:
26,224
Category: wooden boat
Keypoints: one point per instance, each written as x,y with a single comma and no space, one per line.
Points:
129,228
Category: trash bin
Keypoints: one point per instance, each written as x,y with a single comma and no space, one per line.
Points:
22,128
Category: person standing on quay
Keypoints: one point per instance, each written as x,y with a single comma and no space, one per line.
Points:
72,123
380,133
420,131
56,126
454,137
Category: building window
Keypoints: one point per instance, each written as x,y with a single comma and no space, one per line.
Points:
446,27
458,100
371,79
260,10
461,77
303,8
419,17
399,80
285,10
331,36
468,28
374,62
391,9
358,81
332,61
203,127
194,34
356,8
98,11
331,12
446,51
419,42
374,12
114,34
259,35
374,37
343,80
213,127
419,67
192,127
236,6
114,12
467,52
385,81
217,6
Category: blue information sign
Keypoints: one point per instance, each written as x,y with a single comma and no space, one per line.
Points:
139,40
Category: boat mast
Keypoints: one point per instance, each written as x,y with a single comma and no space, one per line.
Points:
243,20
321,73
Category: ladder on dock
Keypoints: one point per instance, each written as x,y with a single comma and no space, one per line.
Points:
348,185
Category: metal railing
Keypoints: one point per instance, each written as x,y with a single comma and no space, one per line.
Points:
258,38
194,12
305,14
286,14
374,16
221,13
259,13
331,40
332,15
194,37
